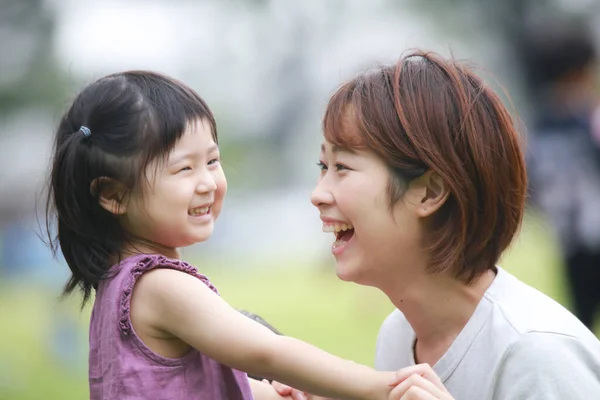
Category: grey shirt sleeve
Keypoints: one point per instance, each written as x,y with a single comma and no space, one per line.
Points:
394,349
548,366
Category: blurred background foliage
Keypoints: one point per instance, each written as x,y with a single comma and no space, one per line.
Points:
267,69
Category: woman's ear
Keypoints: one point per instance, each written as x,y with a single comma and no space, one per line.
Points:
435,194
110,194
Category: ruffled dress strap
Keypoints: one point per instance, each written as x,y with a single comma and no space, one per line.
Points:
143,264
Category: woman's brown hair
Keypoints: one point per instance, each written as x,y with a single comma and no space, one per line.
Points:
431,113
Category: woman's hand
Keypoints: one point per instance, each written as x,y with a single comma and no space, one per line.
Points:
419,382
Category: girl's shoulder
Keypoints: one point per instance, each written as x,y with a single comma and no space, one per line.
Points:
127,273
134,266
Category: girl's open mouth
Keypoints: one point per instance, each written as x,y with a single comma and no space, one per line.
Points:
199,211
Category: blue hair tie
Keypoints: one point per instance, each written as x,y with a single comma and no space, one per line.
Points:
85,130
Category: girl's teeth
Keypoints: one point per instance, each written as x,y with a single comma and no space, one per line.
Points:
199,211
336,227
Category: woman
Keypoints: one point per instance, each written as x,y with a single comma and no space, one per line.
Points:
423,182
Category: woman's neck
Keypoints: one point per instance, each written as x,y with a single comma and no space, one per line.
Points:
438,307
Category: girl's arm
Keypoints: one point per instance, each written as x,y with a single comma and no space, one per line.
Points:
181,305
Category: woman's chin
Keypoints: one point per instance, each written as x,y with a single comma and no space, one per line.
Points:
354,273
345,272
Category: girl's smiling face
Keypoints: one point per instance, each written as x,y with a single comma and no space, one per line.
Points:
184,194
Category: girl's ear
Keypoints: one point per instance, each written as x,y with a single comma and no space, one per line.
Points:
110,194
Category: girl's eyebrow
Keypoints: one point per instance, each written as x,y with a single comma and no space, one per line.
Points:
180,158
212,148
190,154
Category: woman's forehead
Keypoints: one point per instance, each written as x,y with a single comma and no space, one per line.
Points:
327,146
342,124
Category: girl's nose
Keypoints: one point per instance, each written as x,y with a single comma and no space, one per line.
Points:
206,183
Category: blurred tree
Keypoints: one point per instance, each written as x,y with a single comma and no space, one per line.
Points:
282,33
29,73
507,22
32,86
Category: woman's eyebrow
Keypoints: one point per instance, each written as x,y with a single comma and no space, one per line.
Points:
338,149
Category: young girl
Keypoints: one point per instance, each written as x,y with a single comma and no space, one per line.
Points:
135,176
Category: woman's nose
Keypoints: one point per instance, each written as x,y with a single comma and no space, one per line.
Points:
321,196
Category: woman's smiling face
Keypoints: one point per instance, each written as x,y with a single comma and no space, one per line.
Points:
352,196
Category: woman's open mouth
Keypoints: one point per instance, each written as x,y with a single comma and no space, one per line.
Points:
343,234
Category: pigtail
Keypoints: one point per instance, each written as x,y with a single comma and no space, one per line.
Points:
81,226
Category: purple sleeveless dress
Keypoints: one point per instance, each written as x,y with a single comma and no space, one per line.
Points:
122,367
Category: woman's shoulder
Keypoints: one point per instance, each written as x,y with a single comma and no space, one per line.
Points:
540,346
553,365
522,309
539,333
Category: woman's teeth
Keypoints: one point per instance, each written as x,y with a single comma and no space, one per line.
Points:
335,228
199,211
338,243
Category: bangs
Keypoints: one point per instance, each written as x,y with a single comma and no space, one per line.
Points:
156,110
342,125
166,108
168,113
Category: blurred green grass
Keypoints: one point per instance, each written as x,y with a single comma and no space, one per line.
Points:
307,303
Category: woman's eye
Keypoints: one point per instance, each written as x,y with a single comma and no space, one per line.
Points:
185,169
338,167
214,161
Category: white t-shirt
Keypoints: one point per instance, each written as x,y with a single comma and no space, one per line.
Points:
519,344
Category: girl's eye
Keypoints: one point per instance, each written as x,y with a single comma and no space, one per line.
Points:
340,167
322,166
185,169
213,161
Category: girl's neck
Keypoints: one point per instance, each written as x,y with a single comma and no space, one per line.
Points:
438,307
142,246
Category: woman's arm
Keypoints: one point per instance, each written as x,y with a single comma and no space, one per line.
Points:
182,305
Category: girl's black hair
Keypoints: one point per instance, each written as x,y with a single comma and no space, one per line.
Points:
133,117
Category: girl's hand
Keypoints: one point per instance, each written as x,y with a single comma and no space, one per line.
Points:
285,390
418,382
262,390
